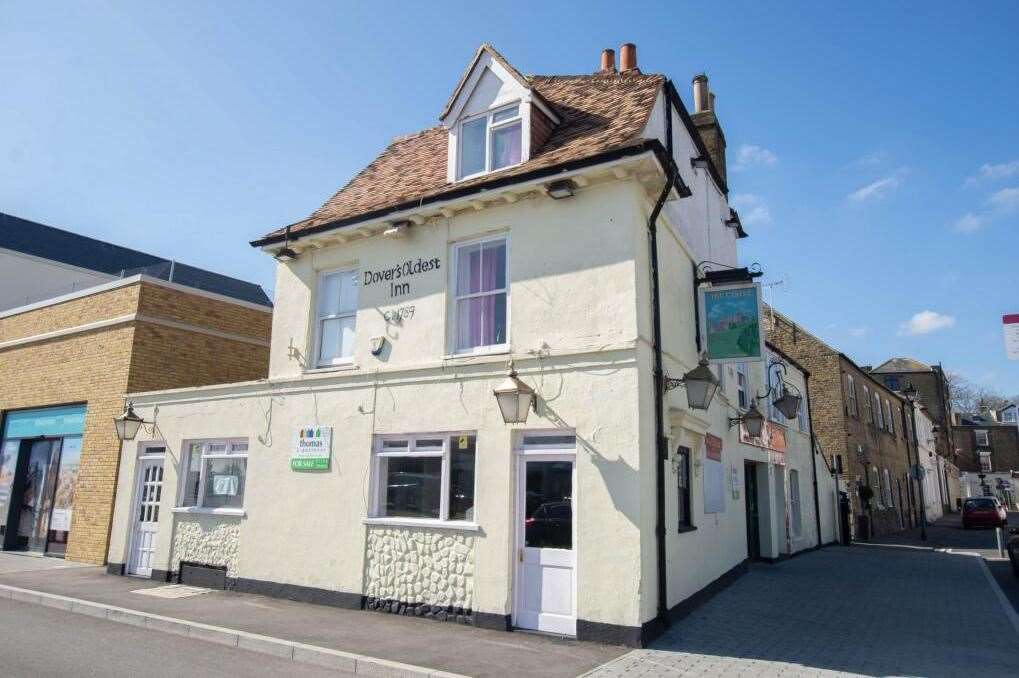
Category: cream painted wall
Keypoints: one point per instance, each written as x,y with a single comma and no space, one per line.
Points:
25,279
570,266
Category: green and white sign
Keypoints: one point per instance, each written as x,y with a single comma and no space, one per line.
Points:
731,323
312,448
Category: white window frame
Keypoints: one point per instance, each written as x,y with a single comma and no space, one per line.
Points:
742,386
889,419
879,415
986,436
490,127
375,516
868,405
320,319
455,305
228,453
887,481
985,461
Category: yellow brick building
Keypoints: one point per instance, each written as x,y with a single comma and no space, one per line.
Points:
66,363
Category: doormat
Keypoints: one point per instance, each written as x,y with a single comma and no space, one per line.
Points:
172,591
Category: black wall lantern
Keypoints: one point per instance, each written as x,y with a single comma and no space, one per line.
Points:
701,385
128,423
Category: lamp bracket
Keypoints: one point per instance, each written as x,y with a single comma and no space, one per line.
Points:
706,272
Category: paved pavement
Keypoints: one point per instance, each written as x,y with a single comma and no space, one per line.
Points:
436,645
861,610
44,643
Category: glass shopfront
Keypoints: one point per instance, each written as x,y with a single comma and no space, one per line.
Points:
40,453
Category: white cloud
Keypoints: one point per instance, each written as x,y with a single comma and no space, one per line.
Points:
880,188
752,208
969,223
875,158
750,155
858,331
925,322
1005,200
990,172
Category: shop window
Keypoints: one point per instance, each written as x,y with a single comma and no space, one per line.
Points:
480,295
336,318
425,477
795,510
214,474
685,520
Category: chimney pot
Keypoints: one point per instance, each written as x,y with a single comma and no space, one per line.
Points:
701,94
628,57
608,61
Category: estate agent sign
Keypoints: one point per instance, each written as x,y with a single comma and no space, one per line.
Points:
731,323
312,446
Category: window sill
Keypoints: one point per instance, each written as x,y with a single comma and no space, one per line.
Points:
687,528
502,349
424,522
197,510
338,367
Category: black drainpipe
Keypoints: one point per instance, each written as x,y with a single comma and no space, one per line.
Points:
662,450
813,458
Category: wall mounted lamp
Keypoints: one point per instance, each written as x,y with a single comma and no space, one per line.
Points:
700,382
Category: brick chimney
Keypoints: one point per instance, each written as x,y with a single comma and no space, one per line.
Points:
706,122
628,58
608,61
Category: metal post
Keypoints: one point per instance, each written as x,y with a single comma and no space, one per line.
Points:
1000,534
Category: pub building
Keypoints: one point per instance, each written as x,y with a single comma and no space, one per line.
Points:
482,439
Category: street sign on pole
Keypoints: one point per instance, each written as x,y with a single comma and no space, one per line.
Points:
1010,323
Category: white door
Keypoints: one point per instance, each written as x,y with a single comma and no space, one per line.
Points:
146,516
546,549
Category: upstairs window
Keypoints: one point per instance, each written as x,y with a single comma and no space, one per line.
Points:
879,417
868,407
742,392
851,407
336,317
480,291
985,461
490,141
889,419
982,439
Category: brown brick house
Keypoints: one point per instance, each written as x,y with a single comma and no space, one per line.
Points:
862,426
987,453
65,365
932,390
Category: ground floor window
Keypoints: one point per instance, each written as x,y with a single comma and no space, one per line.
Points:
214,474
683,487
428,476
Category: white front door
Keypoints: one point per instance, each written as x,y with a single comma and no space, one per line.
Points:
546,549
146,516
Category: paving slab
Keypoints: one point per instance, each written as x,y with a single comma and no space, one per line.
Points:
841,611
437,645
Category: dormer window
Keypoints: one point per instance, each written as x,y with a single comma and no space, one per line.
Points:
490,141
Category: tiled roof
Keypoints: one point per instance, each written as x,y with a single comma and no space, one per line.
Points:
599,113
48,242
903,365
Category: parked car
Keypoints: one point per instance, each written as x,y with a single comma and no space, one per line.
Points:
1013,549
983,512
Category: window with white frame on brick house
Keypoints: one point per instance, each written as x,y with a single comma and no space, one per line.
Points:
480,296
889,419
868,405
879,417
851,404
985,461
982,438
742,390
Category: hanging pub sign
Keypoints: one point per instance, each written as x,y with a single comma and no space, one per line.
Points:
312,448
731,323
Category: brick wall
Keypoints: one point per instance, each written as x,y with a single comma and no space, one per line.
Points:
842,432
99,366
1004,446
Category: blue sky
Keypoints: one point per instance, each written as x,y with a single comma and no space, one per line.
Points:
874,148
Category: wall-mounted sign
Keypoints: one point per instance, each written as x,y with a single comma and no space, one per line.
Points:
395,274
312,448
772,438
1010,323
731,323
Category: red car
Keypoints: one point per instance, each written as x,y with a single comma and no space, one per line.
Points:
983,512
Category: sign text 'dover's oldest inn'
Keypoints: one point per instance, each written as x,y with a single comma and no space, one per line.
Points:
495,326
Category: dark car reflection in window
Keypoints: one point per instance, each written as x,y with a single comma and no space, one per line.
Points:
550,526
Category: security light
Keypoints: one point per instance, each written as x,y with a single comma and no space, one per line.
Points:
563,188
